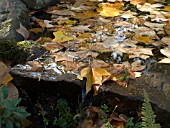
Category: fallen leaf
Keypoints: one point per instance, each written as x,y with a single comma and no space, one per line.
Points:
5,77
142,39
135,2
166,51
23,31
137,66
60,56
47,23
71,65
86,14
81,28
128,14
93,76
99,63
52,46
43,40
145,31
36,30
12,91
35,66
165,60
60,37
62,12
154,25
109,10
166,40
166,8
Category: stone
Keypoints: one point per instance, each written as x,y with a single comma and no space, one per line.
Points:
20,52
157,85
39,4
12,13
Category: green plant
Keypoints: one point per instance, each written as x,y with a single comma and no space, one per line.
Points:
130,123
65,118
105,109
11,115
148,116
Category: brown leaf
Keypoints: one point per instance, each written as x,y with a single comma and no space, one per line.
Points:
23,31
12,91
36,66
72,66
5,77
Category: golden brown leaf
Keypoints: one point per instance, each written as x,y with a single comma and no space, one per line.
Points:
93,76
143,39
5,77
109,10
60,37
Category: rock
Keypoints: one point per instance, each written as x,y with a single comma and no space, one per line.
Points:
20,52
39,4
156,83
12,13
64,86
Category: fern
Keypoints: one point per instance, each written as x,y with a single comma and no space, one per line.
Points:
148,116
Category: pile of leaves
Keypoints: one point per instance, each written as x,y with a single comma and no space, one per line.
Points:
100,40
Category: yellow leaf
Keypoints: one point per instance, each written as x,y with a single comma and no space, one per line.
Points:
142,39
93,76
167,8
135,2
87,72
110,10
60,37
5,77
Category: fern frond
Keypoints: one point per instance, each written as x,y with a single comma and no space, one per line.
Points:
148,116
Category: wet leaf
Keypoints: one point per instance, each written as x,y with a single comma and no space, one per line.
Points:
154,25
166,51
60,37
52,47
81,28
165,60
137,66
62,12
135,2
142,39
166,40
36,30
71,65
110,10
35,66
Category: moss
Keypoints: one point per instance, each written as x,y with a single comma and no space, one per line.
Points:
6,26
18,52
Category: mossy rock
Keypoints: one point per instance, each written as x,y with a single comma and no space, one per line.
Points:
20,52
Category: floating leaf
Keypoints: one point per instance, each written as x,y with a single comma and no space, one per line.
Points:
165,60
109,10
166,51
142,39
60,37
62,12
